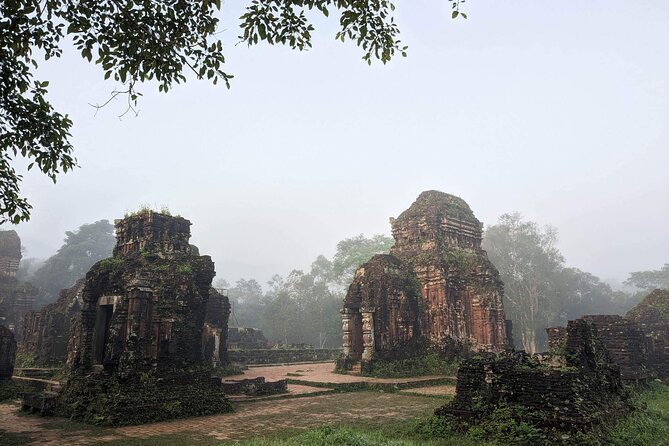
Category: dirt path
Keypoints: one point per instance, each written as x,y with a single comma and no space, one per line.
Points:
249,419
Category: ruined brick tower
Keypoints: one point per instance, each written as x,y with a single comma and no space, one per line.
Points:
144,328
436,285
146,304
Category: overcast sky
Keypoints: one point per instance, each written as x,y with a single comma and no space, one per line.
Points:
558,110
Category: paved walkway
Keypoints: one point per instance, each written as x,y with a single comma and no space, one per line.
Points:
322,372
249,419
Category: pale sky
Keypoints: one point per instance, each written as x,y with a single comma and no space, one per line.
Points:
558,110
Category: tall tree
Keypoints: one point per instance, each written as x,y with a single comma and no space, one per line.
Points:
81,249
579,293
247,301
649,280
135,41
529,263
353,252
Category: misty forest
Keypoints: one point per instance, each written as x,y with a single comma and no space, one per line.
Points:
321,222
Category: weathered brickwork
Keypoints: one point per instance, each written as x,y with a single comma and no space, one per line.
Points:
46,333
652,315
638,343
7,352
215,333
16,297
437,285
557,339
626,343
578,396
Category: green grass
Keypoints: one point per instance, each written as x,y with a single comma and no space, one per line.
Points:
432,364
646,427
10,439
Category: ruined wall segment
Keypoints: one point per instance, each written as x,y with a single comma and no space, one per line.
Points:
10,253
652,315
626,344
7,352
16,297
215,333
380,309
46,332
585,388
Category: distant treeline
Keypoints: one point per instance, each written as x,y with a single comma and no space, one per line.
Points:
303,308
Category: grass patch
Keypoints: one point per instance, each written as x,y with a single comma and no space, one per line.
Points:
11,390
181,439
332,436
12,439
648,426
431,364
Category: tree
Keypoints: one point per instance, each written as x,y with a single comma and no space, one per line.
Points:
539,291
247,302
529,263
649,280
81,249
136,41
579,293
353,252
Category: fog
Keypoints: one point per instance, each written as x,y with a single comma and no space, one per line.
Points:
558,110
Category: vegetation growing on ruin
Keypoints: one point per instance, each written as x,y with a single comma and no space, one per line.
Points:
430,364
11,390
143,398
431,202
648,426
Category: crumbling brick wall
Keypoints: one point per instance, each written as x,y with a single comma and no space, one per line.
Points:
583,394
626,343
557,339
215,333
46,332
16,297
652,315
7,352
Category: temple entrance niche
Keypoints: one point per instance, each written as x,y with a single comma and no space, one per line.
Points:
104,314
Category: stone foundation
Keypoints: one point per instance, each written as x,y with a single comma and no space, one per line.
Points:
46,333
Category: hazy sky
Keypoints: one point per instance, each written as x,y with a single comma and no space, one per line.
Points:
558,110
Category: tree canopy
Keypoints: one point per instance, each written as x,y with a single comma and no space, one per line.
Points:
540,291
80,251
649,280
135,41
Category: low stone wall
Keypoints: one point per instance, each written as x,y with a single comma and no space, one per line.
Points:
282,356
254,386
626,344
145,398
